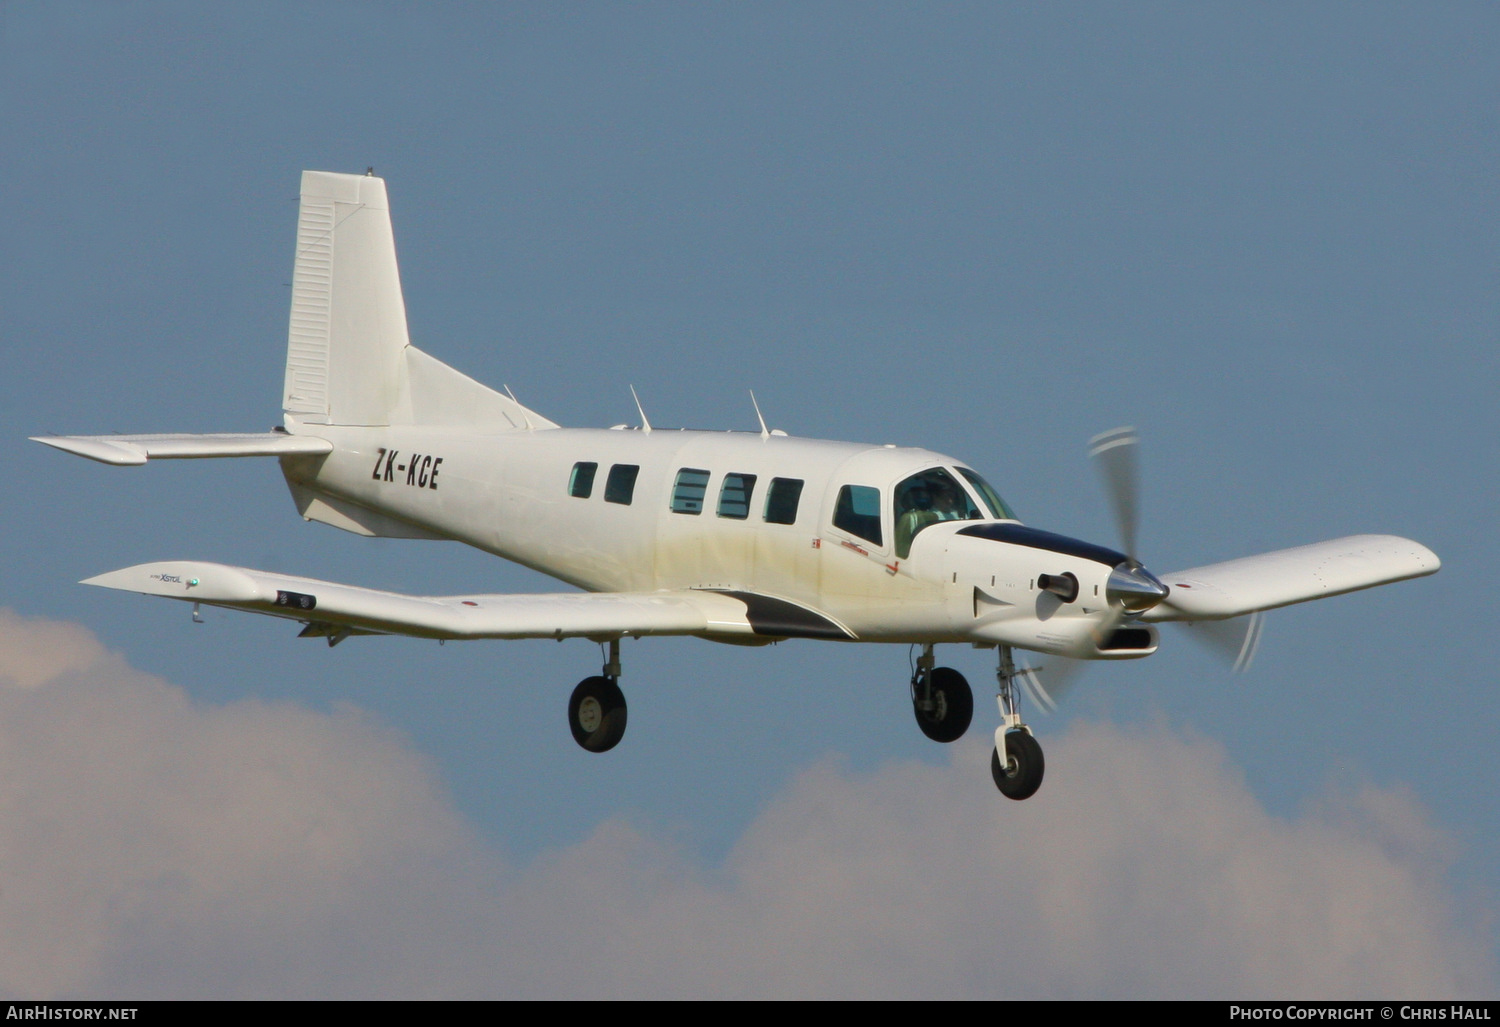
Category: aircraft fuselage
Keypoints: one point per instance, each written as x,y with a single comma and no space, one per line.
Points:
517,495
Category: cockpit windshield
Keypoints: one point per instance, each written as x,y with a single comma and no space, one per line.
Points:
991,498
927,498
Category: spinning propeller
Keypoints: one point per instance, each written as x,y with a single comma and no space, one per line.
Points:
1132,590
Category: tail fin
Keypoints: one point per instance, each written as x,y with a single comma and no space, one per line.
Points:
349,360
348,326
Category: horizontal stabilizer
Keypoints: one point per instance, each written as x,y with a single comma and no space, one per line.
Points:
365,610
131,450
1290,576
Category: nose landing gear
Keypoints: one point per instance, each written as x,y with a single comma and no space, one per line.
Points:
1016,763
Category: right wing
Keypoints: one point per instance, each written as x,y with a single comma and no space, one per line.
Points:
335,611
1288,576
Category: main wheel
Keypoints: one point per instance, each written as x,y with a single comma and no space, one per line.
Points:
596,713
1021,775
952,706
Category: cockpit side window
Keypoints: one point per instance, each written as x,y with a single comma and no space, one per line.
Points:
858,512
927,498
998,507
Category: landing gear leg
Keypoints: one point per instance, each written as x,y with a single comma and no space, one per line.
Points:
1016,763
596,712
941,699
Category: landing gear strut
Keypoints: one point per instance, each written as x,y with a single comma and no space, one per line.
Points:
1016,763
596,712
941,699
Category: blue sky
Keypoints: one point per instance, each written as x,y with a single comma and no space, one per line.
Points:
1264,235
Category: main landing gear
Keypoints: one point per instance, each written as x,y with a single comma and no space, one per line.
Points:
941,699
596,712
944,705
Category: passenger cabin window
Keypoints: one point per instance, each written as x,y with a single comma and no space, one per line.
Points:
858,512
619,487
998,507
734,496
927,498
581,483
687,494
781,500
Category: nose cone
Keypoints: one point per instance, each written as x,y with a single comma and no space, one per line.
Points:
1134,588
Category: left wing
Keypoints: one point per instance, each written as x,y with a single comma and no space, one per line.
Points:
335,611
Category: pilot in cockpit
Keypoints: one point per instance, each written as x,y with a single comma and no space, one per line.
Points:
944,503
925,499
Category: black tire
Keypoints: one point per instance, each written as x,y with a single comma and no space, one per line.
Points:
952,709
1021,776
596,713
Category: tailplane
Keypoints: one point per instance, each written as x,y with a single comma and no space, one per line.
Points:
132,450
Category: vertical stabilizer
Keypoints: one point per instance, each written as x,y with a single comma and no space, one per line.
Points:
345,345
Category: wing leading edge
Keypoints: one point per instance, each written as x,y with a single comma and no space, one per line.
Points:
332,609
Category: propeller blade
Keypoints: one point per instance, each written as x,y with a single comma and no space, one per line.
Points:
1049,684
1114,453
1031,681
1234,640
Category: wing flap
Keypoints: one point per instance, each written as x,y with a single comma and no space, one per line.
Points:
1289,576
133,450
551,615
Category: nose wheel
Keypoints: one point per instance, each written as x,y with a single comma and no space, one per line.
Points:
1021,774
1016,763
596,710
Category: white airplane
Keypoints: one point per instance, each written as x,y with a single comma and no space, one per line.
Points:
739,537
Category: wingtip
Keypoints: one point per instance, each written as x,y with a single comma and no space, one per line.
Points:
183,579
118,453
1426,560
127,579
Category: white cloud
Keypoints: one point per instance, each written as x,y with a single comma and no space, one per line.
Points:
151,846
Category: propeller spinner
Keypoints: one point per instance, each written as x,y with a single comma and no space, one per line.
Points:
1131,587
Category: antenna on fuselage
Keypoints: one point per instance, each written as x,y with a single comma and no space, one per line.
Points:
524,418
645,424
765,432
